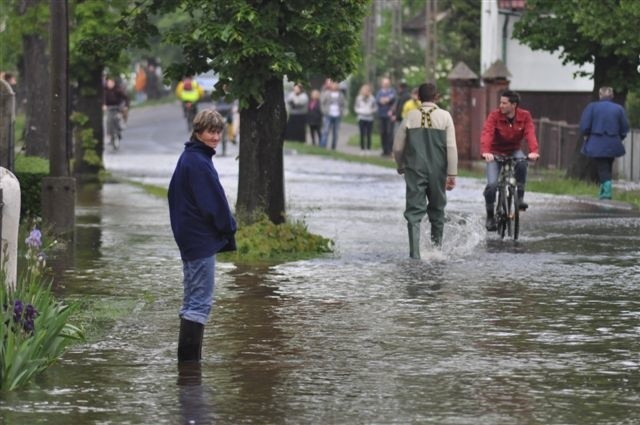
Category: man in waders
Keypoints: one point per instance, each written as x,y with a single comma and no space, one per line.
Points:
425,152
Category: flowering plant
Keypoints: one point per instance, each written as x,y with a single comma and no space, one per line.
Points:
34,326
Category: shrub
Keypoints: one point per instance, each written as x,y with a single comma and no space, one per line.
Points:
30,170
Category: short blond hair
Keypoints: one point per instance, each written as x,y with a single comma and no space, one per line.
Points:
208,119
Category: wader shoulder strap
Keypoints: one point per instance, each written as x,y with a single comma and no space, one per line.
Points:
426,116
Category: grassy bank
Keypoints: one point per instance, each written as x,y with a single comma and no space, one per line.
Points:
540,180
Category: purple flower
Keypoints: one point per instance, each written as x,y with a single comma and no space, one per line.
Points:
18,308
35,239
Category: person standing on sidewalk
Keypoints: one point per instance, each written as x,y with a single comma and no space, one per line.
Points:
202,226
386,98
314,117
365,106
332,105
604,126
425,151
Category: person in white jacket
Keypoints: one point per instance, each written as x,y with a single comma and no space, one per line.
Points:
365,107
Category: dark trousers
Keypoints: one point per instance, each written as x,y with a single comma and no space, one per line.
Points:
315,131
386,135
365,134
605,167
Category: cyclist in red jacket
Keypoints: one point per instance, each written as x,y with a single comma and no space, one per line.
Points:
502,134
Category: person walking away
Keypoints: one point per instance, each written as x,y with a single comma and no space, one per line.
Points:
425,151
297,105
314,116
502,134
365,107
202,226
332,105
604,126
386,97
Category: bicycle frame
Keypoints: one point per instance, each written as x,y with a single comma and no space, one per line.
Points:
507,208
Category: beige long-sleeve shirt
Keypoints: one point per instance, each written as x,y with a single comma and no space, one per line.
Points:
441,120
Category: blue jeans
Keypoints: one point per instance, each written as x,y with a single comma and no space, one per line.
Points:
493,171
199,282
330,123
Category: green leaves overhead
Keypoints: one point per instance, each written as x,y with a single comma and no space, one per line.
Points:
249,42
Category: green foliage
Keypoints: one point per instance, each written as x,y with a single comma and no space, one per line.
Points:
85,139
264,241
633,109
18,21
30,170
249,43
27,349
602,32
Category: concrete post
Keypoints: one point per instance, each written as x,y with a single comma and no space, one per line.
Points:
462,81
10,190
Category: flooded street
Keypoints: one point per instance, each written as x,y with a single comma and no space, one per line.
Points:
542,331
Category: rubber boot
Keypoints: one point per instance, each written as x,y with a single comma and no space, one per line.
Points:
606,190
190,341
522,205
436,237
491,220
414,241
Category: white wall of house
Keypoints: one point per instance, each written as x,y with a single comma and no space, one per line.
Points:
530,70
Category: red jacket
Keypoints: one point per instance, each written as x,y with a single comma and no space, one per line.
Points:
501,137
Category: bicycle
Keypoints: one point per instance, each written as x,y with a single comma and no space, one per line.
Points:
508,206
190,110
114,126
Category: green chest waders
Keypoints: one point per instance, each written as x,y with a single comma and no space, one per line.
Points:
425,177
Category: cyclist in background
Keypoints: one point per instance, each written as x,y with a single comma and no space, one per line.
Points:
190,93
502,134
116,103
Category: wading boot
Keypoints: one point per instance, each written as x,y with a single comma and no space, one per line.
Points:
414,240
606,190
491,220
190,341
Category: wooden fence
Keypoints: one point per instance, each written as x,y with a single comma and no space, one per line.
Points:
559,143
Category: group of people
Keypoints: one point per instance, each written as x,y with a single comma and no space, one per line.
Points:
322,112
424,149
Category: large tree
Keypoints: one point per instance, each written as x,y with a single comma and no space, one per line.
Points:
598,32
252,45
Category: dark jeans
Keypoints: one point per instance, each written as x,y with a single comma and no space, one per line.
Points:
365,134
605,167
386,135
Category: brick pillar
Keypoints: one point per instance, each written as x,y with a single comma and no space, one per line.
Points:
495,79
462,80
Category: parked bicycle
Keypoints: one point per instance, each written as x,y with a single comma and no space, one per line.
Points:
115,125
508,206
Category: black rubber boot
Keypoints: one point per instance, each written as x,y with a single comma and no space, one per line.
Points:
491,220
522,206
190,341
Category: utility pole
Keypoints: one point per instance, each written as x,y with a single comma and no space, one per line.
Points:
430,33
396,40
59,189
370,45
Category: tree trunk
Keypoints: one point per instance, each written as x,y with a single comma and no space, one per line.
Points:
261,174
37,92
88,131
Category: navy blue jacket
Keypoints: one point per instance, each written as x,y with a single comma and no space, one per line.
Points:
201,220
604,125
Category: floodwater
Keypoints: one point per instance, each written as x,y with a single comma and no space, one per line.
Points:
542,331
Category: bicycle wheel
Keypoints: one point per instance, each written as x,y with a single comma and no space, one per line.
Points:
509,211
516,216
501,213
